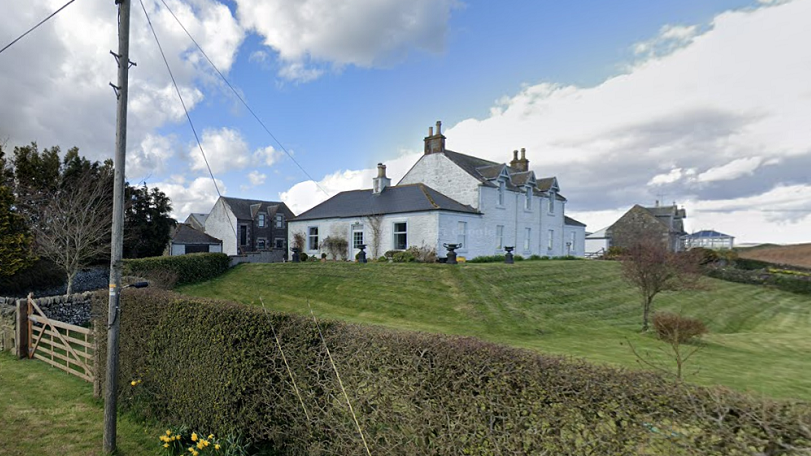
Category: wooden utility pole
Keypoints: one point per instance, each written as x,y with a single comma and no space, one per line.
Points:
117,244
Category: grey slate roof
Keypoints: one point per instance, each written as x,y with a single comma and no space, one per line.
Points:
485,170
570,221
246,209
186,234
393,200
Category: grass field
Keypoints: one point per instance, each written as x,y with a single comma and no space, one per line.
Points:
44,411
759,337
796,255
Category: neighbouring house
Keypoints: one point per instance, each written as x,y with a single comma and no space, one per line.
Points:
187,239
246,225
709,239
664,221
449,198
197,221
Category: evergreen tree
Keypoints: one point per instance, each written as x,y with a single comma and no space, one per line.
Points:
147,224
15,240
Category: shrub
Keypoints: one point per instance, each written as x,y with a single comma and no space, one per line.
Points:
703,255
324,256
336,246
390,253
298,240
42,274
403,257
487,259
191,268
383,259
303,256
415,393
751,265
423,253
672,327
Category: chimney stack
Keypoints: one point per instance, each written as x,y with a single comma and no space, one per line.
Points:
520,164
380,182
435,142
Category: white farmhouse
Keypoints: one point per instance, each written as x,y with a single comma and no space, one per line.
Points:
448,197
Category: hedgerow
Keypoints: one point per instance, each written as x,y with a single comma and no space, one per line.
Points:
215,366
191,268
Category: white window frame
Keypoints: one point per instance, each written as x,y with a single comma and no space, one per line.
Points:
261,221
527,239
572,238
528,202
279,220
502,191
395,233
310,237
461,234
355,244
499,236
550,242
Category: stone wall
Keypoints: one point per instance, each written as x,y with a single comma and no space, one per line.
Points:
8,324
265,256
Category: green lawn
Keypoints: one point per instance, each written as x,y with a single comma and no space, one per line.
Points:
759,337
44,411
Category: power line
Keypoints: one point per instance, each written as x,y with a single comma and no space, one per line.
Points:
188,117
243,101
34,27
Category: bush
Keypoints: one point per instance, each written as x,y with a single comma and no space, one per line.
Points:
751,265
303,256
487,259
672,327
791,283
383,259
423,254
403,257
191,268
413,393
336,246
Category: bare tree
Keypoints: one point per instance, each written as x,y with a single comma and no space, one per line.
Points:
648,265
375,222
75,224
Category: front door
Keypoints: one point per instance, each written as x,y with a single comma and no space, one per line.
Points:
357,239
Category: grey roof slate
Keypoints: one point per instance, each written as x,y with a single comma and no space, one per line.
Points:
708,234
485,170
393,200
246,209
186,234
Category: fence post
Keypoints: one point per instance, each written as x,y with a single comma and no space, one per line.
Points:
21,339
96,361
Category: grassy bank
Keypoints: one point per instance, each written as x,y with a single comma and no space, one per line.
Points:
45,411
758,337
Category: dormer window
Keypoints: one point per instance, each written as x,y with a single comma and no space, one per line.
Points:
279,220
528,201
502,188
261,220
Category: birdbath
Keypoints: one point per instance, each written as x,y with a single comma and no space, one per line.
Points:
508,258
296,257
451,252
362,253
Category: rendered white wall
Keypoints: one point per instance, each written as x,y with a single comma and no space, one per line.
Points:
440,173
221,224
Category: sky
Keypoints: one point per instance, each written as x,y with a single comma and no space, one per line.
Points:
703,103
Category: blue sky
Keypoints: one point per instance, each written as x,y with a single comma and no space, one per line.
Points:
701,103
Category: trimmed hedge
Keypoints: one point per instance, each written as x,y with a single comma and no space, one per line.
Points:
191,268
787,282
214,366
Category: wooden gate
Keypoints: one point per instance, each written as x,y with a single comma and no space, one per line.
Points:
62,345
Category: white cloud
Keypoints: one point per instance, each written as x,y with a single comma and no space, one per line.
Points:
199,196
226,149
256,178
345,32
732,170
150,157
57,77
667,178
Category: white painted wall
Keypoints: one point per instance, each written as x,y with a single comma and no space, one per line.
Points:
222,224
577,236
422,229
178,249
440,173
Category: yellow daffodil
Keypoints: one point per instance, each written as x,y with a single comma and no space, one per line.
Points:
193,436
200,445
166,445
194,453
191,449
133,383
210,436
217,447
168,432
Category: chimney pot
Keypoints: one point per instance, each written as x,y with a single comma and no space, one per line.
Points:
438,127
381,170
523,154
430,131
515,155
